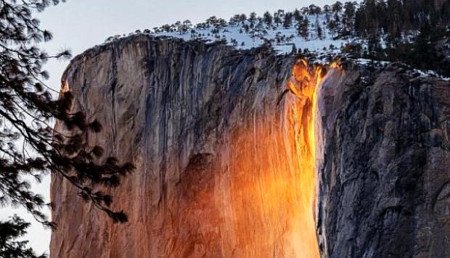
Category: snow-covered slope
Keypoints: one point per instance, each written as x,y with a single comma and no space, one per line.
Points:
324,32
307,32
282,38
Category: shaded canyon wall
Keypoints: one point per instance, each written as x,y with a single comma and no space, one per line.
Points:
384,175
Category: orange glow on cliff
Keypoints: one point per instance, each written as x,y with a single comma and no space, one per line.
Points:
302,114
267,192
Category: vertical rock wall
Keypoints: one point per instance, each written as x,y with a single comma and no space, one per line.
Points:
216,139
384,180
217,162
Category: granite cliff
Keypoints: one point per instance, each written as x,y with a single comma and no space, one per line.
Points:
253,154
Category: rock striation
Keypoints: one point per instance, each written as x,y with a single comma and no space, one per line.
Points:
250,154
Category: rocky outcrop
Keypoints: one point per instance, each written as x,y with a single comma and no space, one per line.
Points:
221,139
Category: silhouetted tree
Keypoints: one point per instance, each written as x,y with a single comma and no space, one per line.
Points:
268,18
252,19
314,10
319,30
348,17
10,247
243,18
294,49
336,7
297,15
287,20
302,28
277,18
27,109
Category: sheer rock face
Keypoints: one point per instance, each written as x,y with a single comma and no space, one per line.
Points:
208,129
385,177
202,126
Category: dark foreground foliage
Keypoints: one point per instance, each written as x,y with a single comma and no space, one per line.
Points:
29,146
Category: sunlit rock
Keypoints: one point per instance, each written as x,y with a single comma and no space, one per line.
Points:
250,154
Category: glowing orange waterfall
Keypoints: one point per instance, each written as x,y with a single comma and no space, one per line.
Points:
302,112
269,203
242,184
267,208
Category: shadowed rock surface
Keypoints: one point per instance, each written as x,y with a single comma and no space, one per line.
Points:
211,132
384,180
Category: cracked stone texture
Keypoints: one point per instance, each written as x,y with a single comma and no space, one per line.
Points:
207,128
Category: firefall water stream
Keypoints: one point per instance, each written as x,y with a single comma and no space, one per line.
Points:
302,114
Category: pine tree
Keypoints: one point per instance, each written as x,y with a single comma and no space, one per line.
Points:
27,108
277,18
302,28
360,26
348,17
294,49
297,16
314,10
252,19
287,20
336,7
10,246
268,18
319,30
243,18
